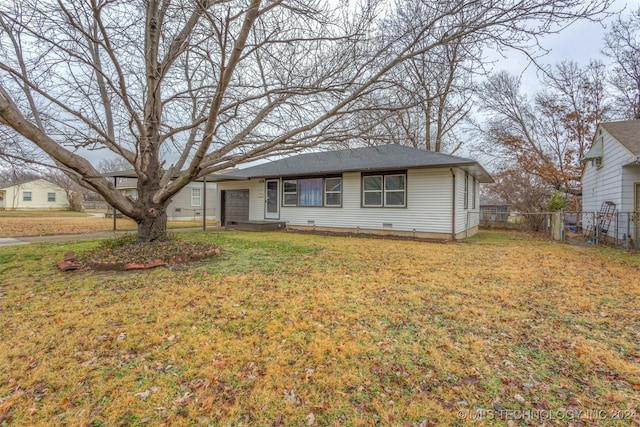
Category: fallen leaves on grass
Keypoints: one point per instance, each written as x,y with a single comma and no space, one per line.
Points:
309,330
125,253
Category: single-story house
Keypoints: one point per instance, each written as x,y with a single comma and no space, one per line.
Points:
389,189
33,194
187,204
611,178
492,210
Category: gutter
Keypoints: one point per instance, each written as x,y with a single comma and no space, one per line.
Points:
453,206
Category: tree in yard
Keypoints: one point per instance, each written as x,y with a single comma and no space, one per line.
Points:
524,192
183,88
546,136
622,45
429,95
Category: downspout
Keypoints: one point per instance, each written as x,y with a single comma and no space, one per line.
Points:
453,206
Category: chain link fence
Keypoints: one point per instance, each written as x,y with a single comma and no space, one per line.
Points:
620,229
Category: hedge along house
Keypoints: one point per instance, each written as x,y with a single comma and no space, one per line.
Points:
389,189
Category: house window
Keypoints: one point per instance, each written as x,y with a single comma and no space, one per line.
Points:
26,196
290,191
473,195
466,190
312,192
51,197
333,191
597,162
196,197
384,190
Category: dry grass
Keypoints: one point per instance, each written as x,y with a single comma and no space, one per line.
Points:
289,329
11,226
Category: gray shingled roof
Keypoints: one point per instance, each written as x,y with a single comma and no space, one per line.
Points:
379,158
626,132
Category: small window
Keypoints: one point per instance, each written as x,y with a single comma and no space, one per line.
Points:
384,190
394,190
372,190
333,191
26,196
597,162
466,190
290,191
473,194
196,197
51,197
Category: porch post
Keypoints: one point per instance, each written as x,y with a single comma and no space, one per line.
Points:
204,203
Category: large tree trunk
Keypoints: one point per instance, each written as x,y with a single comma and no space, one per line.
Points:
153,225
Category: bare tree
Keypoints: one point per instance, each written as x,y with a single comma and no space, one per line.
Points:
184,88
524,192
429,95
622,45
546,136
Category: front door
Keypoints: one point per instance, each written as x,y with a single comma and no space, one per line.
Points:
272,200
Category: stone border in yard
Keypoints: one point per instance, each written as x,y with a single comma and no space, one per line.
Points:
70,263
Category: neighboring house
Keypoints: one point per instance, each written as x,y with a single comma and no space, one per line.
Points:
493,211
611,176
33,194
187,204
389,189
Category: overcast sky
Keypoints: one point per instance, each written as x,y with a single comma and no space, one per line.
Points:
580,42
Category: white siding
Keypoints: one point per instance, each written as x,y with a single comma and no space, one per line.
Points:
471,215
428,210
256,196
181,206
39,189
610,182
605,183
428,206
630,176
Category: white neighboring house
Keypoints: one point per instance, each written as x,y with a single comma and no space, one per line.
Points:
389,189
612,174
33,194
187,204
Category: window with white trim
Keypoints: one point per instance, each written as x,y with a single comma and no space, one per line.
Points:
26,196
196,197
385,190
290,192
466,190
333,191
51,197
473,194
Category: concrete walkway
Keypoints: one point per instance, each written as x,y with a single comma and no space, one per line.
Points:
8,241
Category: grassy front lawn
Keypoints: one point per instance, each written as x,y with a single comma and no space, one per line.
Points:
19,226
44,213
290,329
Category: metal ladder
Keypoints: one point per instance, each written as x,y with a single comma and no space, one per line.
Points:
600,225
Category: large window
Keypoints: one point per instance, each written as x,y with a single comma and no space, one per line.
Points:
196,197
26,196
51,197
388,190
312,192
